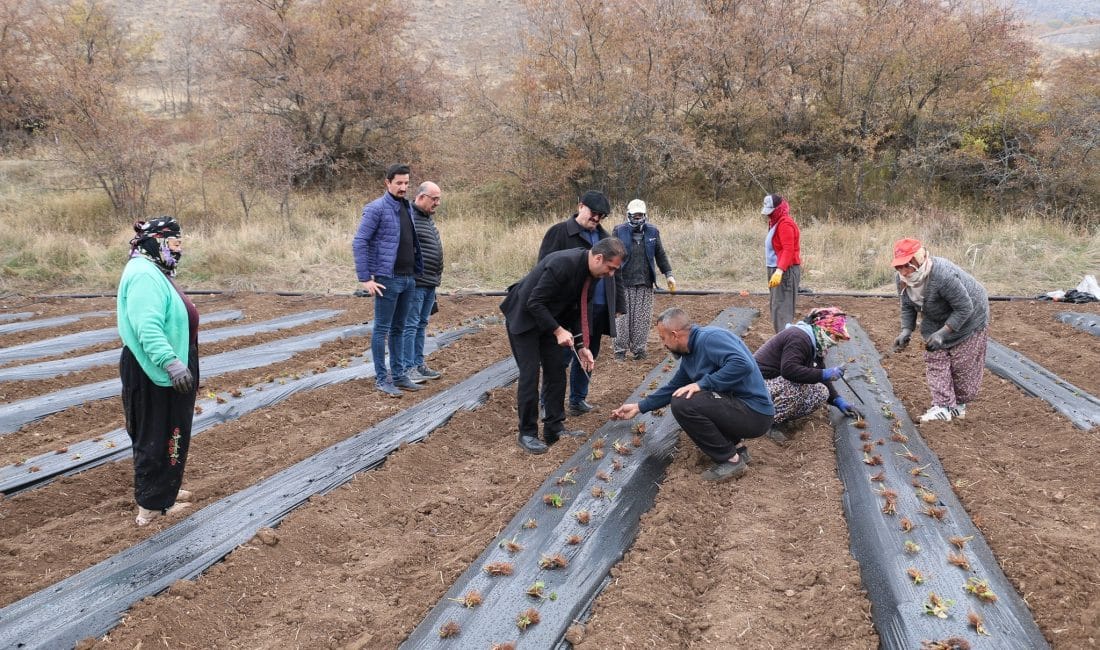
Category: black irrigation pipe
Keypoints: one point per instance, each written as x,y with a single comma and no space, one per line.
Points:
14,415
48,369
91,602
69,342
1079,406
56,321
629,492
35,472
1085,322
878,541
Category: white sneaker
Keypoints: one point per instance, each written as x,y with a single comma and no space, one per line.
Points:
936,413
958,412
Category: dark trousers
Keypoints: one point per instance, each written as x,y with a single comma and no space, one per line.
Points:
158,420
578,381
718,422
534,351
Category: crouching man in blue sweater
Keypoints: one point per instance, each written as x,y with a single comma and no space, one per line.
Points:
718,395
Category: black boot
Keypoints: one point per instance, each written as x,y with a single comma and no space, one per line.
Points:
532,445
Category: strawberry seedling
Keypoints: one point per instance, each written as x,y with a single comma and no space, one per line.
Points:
658,412
980,588
597,454
928,497
639,428
912,548
616,464
621,449
864,436
597,492
536,589
511,545
906,524
950,643
236,392
603,476
599,443
636,440
555,561
880,477
554,499
530,523
960,542
449,629
908,455
959,560
900,437
880,442
861,424
872,460
470,599
573,540
937,606
527,618
915,575
868,447
567,478
919,471
977,623
936,513
507,645
583,517
499,568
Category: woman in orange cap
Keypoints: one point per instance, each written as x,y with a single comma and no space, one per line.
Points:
954,310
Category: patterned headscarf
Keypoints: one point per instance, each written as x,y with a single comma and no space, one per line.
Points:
150,242
829,325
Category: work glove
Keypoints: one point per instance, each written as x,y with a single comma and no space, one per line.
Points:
902,341
181,377
844,407
776,278
671,283
935,342
832,374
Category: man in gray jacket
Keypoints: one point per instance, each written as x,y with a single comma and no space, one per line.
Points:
423,304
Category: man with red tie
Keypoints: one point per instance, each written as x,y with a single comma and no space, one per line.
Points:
550,309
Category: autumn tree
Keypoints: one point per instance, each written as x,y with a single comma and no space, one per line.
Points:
335,73
21,107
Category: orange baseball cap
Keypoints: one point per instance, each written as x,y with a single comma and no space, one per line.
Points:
904,250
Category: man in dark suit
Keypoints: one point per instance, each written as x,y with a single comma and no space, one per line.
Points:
583,230
542,312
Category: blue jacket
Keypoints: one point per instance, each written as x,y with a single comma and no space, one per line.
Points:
654,251
376,241
719,361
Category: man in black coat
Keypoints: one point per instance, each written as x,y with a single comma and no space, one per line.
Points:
583,230
542,312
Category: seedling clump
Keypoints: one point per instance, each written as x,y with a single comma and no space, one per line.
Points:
952,643
507,645
868,447
880,477
449,629
597,492
638,428
567,478
511,545
980,588
470,599
555,561
900,437
977,623
583,517
911,547
554,499
598,443
959,560
872,460
915,575
620,448
535,590
936,513
531,523
906,524
499,568
937,606
527,618
636,440
616,464
602,475
573,540
960,542
597,454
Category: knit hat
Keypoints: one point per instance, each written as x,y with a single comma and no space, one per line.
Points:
771,202
596,202
905,250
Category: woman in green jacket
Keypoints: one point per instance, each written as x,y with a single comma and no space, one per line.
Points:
159,367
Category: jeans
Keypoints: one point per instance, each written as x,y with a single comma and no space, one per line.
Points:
420,309
391,310
578,380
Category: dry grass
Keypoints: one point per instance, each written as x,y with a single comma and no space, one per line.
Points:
54,241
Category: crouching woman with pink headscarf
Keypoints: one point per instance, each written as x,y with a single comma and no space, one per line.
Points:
793,365
954,310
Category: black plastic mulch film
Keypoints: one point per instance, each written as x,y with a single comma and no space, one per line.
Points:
614,519
14,415
1079,406
91,602
115,445
1085,322
48,369
884,550
16,316
75,341
23,325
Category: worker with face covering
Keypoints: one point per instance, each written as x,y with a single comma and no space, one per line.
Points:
793,365
783,259
637,277
159,367
954,310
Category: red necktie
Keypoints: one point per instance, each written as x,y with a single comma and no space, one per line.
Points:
586,333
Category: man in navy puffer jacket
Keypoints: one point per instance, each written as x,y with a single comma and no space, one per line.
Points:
387,259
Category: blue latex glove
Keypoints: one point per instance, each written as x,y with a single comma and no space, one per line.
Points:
832,374
846,408
935,342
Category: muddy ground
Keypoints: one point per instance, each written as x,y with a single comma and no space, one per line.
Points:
762,562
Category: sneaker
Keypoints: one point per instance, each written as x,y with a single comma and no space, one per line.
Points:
145,516
580,408
726,471
640,356
388,388
936,413
958,412
777,436
407,384
428,373
743,452
620,355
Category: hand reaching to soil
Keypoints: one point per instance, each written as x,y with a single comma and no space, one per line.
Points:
625,412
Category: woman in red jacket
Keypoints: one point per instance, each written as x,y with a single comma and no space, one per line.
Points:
783,258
